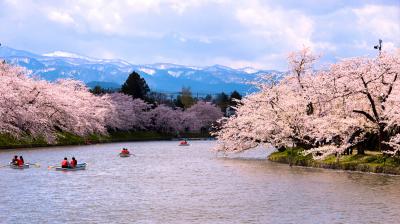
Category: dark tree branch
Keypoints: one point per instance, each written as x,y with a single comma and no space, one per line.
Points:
371,100
389,90
367,115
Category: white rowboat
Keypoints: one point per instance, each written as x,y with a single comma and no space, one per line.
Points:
80,166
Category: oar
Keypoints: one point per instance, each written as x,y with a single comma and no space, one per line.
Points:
34,164
51,167
2,166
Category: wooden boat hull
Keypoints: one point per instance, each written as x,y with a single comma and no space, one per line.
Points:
81,166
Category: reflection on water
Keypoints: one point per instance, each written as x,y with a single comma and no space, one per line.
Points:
165,183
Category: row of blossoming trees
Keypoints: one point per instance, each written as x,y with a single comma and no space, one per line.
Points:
39,108
352,104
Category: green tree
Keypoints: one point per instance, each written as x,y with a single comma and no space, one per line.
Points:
158,98
178,101
222,100
98,90
135,86
186,97
208,98
234,95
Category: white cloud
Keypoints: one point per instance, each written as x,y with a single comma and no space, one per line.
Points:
266,61
381,22
323,46
205,40
289,27
119,17
61,17
237,33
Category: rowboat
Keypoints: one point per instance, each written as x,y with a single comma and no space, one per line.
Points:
124,154
184,144
25,166
80,166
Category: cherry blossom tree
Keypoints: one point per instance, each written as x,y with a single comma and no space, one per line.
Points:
278,114
126,113
166,119
361,94
201,115
326,112
39,108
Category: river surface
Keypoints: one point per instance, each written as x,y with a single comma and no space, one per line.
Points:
165,183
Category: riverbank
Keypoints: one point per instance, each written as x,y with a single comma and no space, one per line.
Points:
373,162
64,138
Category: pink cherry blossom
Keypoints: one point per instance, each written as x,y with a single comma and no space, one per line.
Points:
41,109
327,111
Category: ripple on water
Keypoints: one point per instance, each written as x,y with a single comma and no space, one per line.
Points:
165,183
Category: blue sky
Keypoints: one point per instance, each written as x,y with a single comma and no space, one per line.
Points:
235,33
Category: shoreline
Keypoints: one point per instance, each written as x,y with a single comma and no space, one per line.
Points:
67,139
368,163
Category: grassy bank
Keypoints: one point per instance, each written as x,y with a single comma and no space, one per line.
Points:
370,162
64,138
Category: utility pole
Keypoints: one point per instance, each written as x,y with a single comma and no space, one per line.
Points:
379,47
3,61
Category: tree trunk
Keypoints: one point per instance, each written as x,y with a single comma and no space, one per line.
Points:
380,137
360,150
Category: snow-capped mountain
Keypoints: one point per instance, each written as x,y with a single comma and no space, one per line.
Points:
159,76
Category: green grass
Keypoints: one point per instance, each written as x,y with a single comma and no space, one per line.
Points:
370,162
8,141
65,138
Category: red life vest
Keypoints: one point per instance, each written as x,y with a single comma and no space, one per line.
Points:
73,163
20,162
64,163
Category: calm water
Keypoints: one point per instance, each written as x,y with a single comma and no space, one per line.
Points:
165,183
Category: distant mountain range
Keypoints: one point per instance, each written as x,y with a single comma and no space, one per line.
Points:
162,77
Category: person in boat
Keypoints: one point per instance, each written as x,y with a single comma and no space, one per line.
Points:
125,151
14,161
73,163
21,161
65,163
